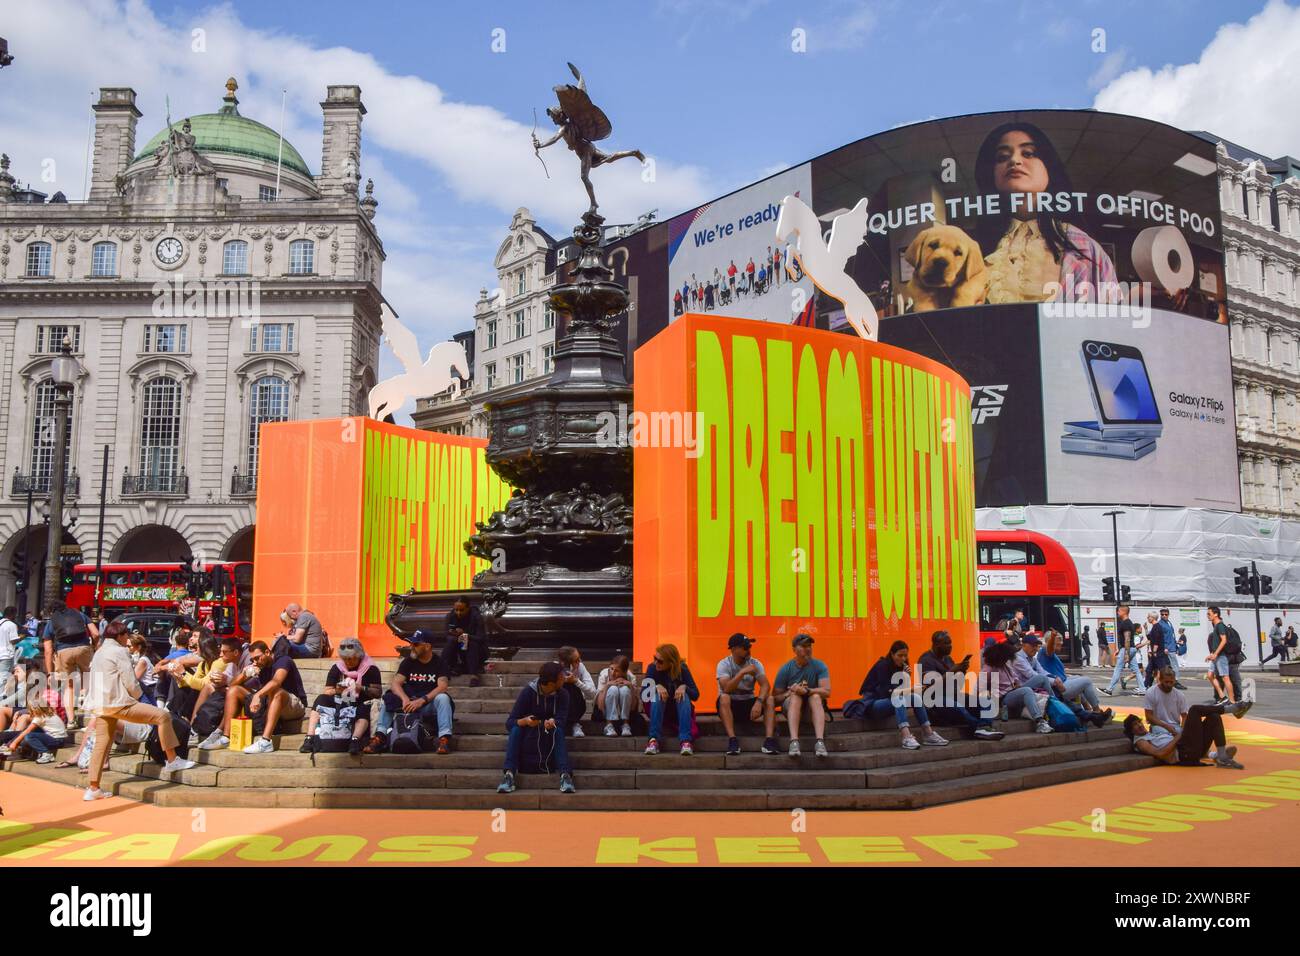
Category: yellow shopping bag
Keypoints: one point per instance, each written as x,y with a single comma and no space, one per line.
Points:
241,733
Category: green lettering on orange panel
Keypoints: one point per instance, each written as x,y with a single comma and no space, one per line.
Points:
419,505
922,423
464,514
909,490
943,514
952,453
965,435
780,476
747,454
712,476
810,486
846,475
891,548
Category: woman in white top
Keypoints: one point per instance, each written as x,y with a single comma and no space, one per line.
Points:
578,685
45,732
617,695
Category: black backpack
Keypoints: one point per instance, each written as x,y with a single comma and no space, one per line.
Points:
68,624
1233,648
153,743
410,735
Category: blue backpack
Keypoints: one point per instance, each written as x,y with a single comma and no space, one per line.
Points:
1061,717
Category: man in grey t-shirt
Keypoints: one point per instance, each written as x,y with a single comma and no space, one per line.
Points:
305,634
1165,704
1277,638
739,675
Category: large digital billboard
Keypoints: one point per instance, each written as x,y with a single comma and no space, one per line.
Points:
1002,244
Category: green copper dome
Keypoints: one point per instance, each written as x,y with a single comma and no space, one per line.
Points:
228,132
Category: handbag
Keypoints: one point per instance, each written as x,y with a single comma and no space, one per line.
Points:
241,733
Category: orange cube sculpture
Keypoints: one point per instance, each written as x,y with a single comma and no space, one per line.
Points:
350,510
792,480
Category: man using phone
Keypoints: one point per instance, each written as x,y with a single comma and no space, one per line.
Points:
466,650
739,675
536,731
956,707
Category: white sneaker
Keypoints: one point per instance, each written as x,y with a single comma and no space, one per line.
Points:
820,749
934,740
194,739
577,731
609,729
795,750
1043,727
627,730
911,743
216,741
45,758
94,793
180,763
260,746
6,752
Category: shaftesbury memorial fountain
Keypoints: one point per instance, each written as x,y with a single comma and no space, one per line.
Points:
560,551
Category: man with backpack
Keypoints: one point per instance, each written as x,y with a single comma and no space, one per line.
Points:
1225,655
69,638
420,691
536,728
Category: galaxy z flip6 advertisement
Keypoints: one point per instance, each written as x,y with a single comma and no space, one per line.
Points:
1068,263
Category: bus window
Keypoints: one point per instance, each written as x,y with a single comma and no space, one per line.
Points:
156,578
179,578
1010,552
117,578
136,577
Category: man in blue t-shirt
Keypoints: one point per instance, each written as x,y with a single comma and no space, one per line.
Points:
804,680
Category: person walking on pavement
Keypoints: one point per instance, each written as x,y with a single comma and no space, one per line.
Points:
1126,653
1276,640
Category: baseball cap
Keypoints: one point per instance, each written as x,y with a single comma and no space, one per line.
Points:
422,636
739,640
350,645
802,639
1031,639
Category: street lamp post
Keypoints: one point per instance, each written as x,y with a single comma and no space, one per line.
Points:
63,373
1119,589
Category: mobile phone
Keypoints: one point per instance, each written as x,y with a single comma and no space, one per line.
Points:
1122,395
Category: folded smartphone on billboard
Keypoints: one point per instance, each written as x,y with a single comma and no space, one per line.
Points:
1121,392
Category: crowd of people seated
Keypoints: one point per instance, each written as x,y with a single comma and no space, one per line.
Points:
205,683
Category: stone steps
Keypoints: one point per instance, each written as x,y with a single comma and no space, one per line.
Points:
867,769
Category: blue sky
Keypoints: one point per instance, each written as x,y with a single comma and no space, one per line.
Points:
712,90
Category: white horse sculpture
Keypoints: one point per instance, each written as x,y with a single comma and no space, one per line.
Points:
824,261
421,378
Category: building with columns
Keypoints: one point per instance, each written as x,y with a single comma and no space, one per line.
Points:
210,282
1260,201
512,344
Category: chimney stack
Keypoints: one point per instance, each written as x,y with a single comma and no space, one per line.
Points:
115,116
340,161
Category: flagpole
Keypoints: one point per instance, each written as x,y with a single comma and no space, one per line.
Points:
279,154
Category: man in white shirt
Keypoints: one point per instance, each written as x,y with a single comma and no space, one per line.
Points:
8,640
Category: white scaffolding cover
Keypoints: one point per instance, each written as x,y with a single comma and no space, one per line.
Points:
1167,555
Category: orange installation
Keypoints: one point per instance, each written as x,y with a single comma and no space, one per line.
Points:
789,480
350,510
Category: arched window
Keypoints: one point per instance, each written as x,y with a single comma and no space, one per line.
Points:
160,428
43,437
234,258
39,259
302,257
103,259
268,401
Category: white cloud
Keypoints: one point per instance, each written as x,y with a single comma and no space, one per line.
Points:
1242,87
1112,65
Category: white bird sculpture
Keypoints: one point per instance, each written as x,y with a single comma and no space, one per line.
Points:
421,378
824,261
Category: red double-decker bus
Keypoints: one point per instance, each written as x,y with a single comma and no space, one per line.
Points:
223,590
1030,572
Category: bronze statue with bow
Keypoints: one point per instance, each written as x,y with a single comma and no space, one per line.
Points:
581,125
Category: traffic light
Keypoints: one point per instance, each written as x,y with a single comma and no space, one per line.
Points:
20,574
1241,582
1108,590
1125,595
66,567
187,575
1265,584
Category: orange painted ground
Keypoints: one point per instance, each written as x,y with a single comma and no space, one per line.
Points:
1161,816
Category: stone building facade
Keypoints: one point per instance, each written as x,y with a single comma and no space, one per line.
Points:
1260,200
200,303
